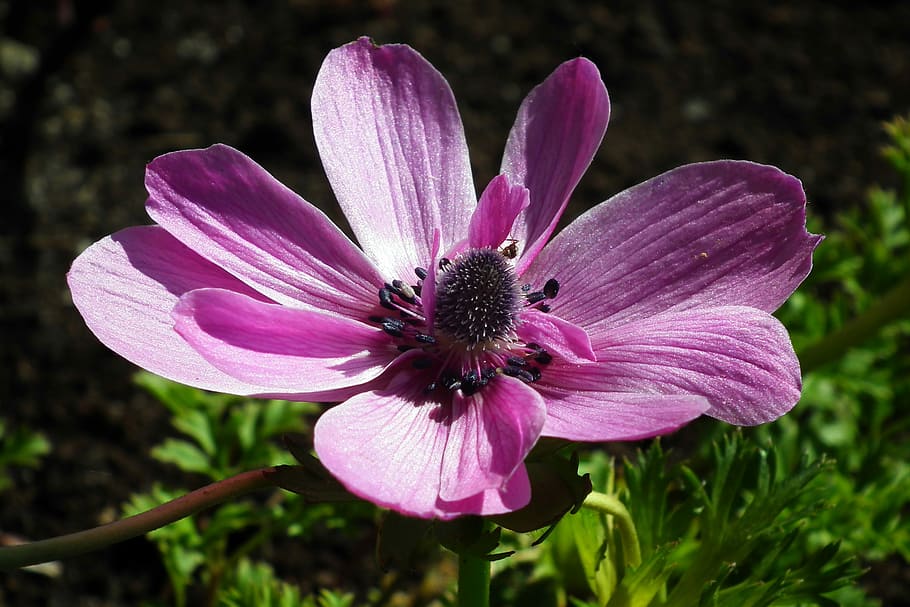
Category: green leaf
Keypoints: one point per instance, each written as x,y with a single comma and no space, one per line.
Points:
199,426
590,534
641,585
184,455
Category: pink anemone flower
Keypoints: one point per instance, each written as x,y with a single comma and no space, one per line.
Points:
458,333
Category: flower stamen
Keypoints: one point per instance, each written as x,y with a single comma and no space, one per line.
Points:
478,301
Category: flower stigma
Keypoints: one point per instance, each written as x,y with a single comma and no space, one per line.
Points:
478,306
477,298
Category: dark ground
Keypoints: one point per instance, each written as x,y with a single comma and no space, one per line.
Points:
802,85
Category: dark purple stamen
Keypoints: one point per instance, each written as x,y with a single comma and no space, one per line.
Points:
403,290
385,298
543,358
535,297
511,371
551,288
470,383
421,272
393,327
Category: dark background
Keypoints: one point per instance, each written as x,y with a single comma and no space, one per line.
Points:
91,91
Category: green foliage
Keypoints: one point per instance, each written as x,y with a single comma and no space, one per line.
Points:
255,584
853,408
222,436
735,539
20,447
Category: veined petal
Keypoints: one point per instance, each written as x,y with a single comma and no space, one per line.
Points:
490,434
557,131
496,211
597,416
556,335
739,358
393,147
387,446
515,494
126,286
227,208
290,350
708,234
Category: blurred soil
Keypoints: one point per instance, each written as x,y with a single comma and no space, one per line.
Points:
91,91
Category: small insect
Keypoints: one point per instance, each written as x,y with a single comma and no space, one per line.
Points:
510,249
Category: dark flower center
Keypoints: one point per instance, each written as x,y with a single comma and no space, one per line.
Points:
477,298
473,339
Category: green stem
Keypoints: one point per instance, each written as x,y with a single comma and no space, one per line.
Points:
608,504
473,581
65,546
890,307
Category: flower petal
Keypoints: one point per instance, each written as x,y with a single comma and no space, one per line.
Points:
393,147
490,434
715,233
126,286
496,211
228,209
557,131
290,350
387,446
739,358
515,494
596,416
570,342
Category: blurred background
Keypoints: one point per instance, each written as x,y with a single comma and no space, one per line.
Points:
92,91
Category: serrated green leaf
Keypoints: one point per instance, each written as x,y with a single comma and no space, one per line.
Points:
590,533
198,426
640,586
186,456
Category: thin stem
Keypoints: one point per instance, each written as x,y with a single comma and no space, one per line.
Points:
473,581
65,546
890,307
608,504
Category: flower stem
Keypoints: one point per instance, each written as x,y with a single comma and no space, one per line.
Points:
473,581
65,546
890,307
609,504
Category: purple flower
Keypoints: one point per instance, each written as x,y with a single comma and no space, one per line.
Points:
457,335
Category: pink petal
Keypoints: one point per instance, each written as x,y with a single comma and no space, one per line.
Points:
496,211
387,446
559,337
558,129
715,233
126,285
290,350
393,147
739,358
515,494
491,432
428,292
231,211
597,416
